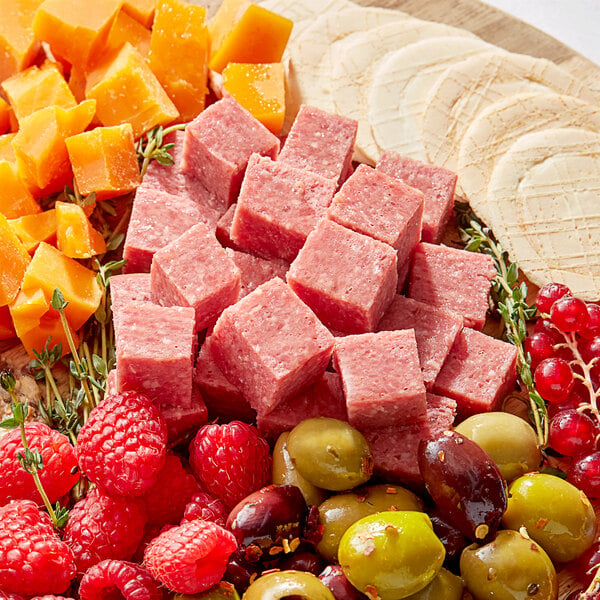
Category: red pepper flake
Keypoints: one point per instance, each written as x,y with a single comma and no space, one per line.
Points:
275,550
293,545
391,490
541,523
534,547
368,463
372,593
441,455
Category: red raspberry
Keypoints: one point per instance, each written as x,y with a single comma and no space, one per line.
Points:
122,447
33,559
119,579
190,558
206,507
60,471
102,526
151,531
231,461
167,498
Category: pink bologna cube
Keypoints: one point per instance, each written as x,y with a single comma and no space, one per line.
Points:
218,145
255,271
223,231
194,270
155,352
452,279
383,208
158,218
325,398
270,345
322,143
436,183
395,449
382,379
278,207
478,373
171,179
184,420
223,399
127,289
347,278
435,331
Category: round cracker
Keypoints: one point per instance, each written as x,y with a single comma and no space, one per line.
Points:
467,88
545,194
402,81
356,59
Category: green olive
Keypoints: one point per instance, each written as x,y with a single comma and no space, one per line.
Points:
282,584
508,439
330,454
512,567
444,586
556,514
339,512
221,591
391,554
285,473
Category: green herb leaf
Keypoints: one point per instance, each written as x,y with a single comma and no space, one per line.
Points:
58,300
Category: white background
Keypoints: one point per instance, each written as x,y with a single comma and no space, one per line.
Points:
576,23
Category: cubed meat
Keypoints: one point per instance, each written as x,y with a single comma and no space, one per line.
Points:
255,271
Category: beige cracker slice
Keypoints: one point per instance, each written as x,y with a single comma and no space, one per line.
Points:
497,127
401,83
302,10
466,88
545,207
356,59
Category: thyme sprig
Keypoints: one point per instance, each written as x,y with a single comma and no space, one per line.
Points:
510,299
152,147
31,460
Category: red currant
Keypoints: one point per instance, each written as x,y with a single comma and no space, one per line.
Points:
546,326
572,433
569,314
548,294
554,379
593,326
590,349
584,473
539,346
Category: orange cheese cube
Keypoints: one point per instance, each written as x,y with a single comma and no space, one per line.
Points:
18,45
7,329
260,89
40,146
48,331
75,31
36,88
127,29
15,198
33,229
104,161
28,308
127,91
50,268
7,151
179,55
4,116
77,83
229,13
141,10
260,36
14,259
75,236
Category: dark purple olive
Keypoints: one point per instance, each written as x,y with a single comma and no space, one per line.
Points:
465,484
333,577
272,519
452,538
302,561
239,571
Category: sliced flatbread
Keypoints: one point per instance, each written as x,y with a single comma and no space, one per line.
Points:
356,59
501,124
310,54
466,88
401,83
302,10
545,194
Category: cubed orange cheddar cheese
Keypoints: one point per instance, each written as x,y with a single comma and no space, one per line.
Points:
40,146
7,329
74,30
229,13
14,259
28,308
4,116
77,83
7,151
127,91
36,88
141,10
50,269
260,89
18,45
179,55
75,236
33,229
260,36
127,29
15,198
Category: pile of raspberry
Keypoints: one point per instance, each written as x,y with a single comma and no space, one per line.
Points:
144,521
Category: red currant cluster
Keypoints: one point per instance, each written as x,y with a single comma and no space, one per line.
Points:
565,357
